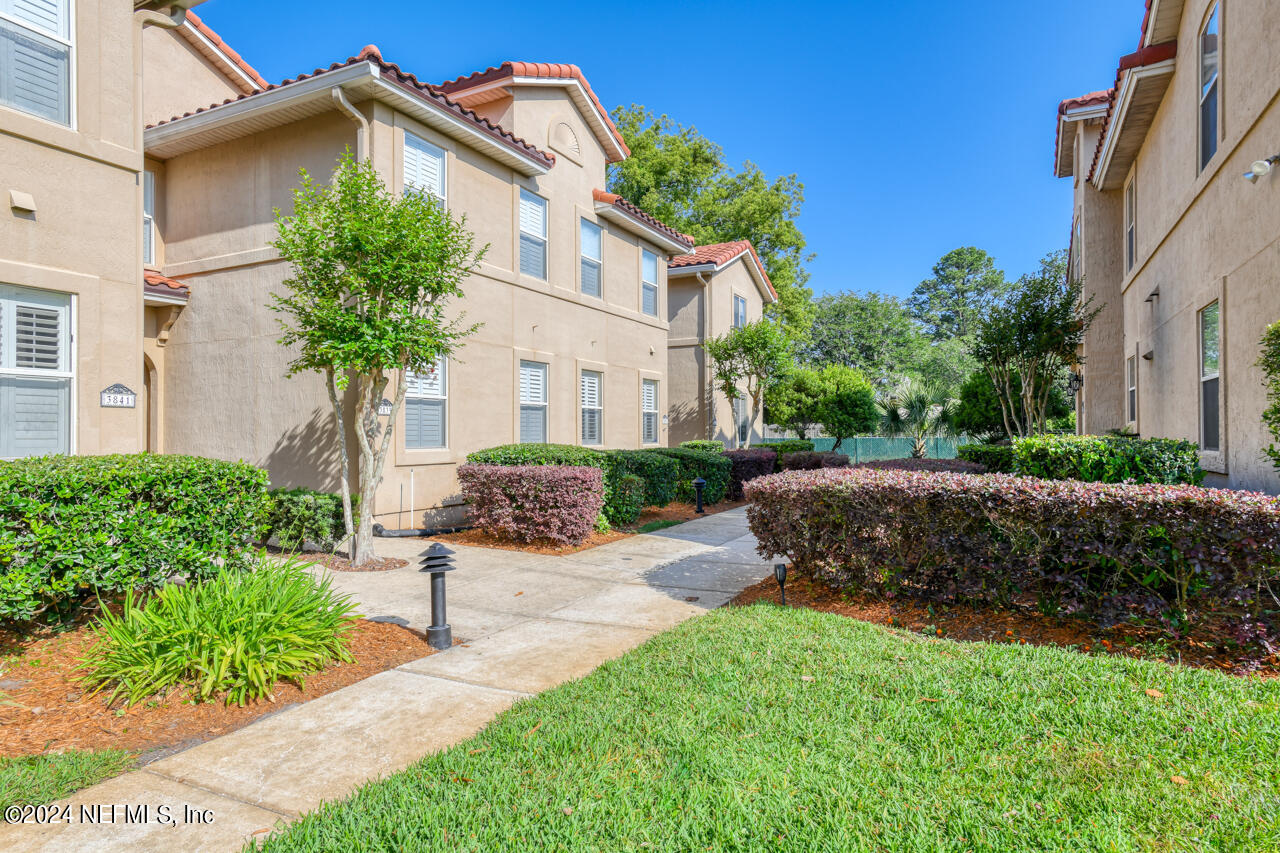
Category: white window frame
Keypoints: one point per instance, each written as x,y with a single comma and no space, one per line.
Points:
584,408
1078,260
442,365
1131,224
1214,376
739,321
10,297
148,217
541,238
1131,398
69,42
412,140
528,402
649,286
1213,86
649,415
585,260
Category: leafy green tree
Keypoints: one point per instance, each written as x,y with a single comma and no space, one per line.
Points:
792,402
947,363
748,360
1031,337
1269,362
847,406
870,332
372,276
681,177
978,410
964,281
918,410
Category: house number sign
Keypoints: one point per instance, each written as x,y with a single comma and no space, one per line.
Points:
118,397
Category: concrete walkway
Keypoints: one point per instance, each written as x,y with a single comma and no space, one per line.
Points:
528,622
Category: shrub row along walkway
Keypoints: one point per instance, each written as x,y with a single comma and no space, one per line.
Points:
526,623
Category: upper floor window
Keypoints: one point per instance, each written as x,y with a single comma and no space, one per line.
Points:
1077,251
591,258
649,411
424,166
426,397
1130,224
1132,371
35,57
1210,65
533,235
649,282
148,217
1210,395
592,404
533,401
739,311
35,372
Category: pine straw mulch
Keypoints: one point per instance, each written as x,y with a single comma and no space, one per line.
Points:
339,563
678,512
52,712
975,624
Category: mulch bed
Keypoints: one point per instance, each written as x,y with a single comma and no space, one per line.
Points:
671,512
959,622
53,713
339,563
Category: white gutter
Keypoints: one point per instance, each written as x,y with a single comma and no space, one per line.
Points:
616,214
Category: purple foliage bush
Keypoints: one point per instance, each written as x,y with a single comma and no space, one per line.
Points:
747,465
954,466
812,461
1172,555
530,502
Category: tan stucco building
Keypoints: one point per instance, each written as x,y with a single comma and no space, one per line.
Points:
169,271
1171,235
711,290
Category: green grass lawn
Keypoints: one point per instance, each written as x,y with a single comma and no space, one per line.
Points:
764,728
37,779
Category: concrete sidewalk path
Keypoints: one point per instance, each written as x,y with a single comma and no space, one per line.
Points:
526,622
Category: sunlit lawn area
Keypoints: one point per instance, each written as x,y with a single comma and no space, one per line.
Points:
766,728
43,778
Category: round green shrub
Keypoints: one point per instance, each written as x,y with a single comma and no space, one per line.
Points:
703,444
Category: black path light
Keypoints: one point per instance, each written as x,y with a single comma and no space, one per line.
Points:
437,560
698,485
780,573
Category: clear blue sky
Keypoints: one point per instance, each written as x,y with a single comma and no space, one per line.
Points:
916,125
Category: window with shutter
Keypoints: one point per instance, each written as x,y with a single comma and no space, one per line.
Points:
148,217
533,402
592,404
533,235
591,258
424,167
35,372
35,57
649,411
426,402
649,283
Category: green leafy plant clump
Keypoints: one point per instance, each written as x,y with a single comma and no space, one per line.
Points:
658,473
301,516
709,446
235,635
783,446
1108,459
1269,362
75,526
39,779
996,458
715,468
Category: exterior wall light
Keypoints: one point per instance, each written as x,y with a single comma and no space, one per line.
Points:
1074,383
1261,168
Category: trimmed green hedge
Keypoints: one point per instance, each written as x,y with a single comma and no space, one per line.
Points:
303,515
75,526
658,473
703,444
788,445
996,458
712,467
1108,459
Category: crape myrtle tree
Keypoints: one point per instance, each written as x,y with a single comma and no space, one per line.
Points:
1030,338
372,276
847,406
756,356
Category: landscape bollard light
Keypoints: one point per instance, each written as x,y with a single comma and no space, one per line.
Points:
698,485
780,572
437,560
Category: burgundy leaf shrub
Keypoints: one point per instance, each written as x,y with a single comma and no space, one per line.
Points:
530,502
747,465
812,460
954,466
1170,554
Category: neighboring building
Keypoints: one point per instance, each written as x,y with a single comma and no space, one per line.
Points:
571,294
1169,232
709,292
74,310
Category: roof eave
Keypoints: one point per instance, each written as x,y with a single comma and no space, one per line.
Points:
1110,173
617,215
600,126
1070,120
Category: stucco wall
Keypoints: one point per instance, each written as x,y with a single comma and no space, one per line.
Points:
176,79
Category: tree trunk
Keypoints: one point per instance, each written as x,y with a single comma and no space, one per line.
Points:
344,462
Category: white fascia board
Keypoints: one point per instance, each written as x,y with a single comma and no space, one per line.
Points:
1122,99
232,67
616,214
157,299
691,270
1072,117
586,104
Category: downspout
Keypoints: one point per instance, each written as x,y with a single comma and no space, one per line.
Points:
707,377
362,123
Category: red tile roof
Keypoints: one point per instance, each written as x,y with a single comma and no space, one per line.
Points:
719,254
1093,99
153,282
393,74
1140,58
232,57
636,213
550,70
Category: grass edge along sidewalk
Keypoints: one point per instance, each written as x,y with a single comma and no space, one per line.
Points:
764,728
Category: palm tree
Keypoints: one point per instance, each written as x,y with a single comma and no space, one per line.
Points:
918,410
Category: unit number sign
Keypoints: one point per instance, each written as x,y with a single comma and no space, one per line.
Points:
118,397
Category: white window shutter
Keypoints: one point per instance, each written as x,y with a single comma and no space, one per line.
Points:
533,214
428,384
590,390
51,16
591,240
424,166
34,73
37,337
533,382
648,267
